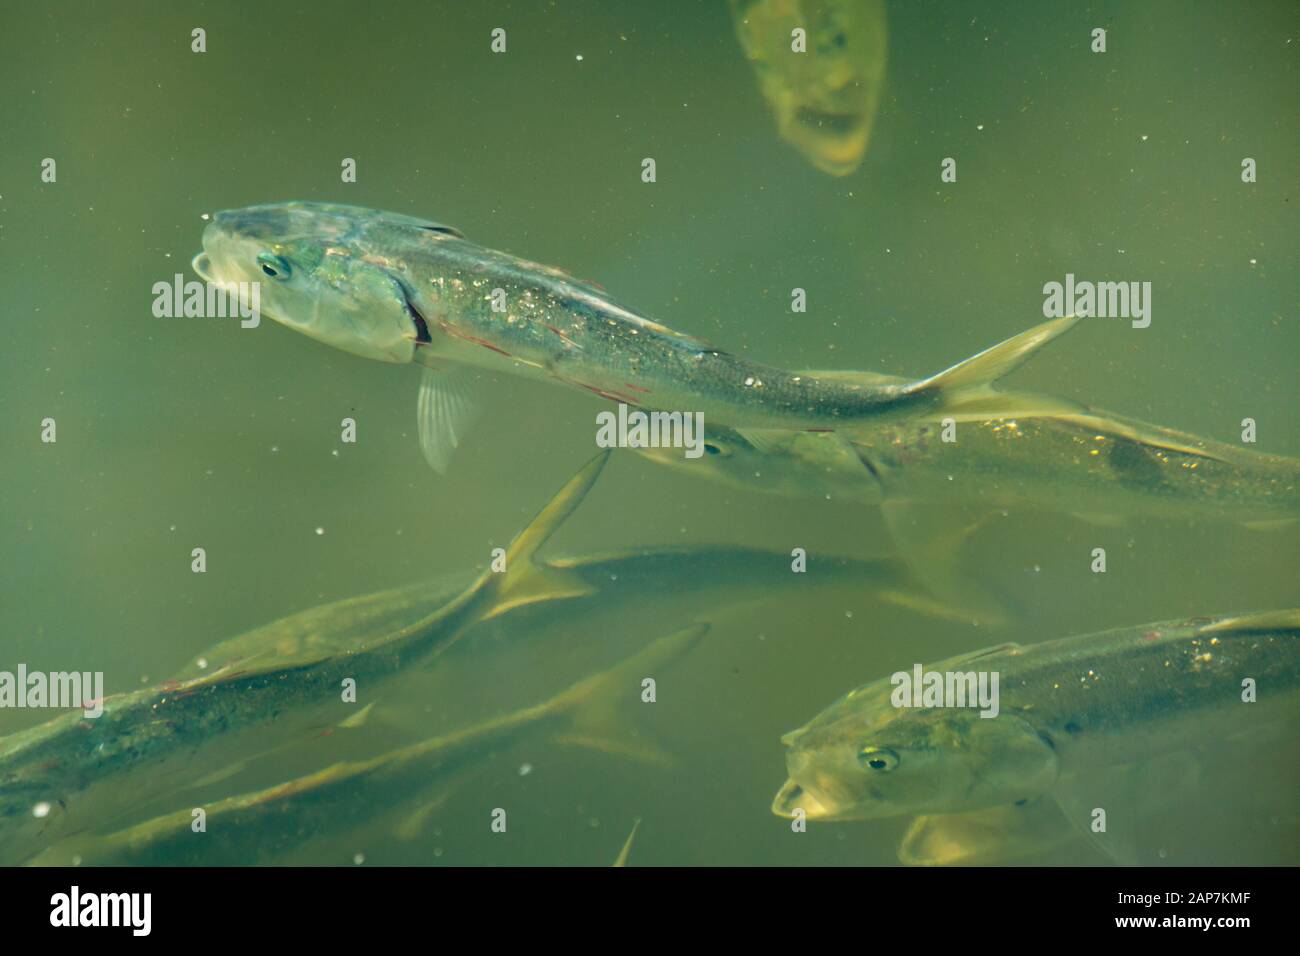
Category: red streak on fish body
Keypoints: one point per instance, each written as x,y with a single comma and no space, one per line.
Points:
453,331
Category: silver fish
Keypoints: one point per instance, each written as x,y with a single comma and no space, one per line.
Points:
825,96
1096,465
256,827
401,290
1076,716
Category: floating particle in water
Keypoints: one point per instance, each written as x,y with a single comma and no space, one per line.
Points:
525,769
320,530
41,810
578,58
980,127
848,614
359,859
203,663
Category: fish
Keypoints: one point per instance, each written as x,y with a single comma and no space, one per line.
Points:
272,682
1079,720
273,685
824,98
252,828
401,290
1095,465
1087,462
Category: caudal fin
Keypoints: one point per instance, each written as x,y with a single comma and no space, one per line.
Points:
968,385
526,580
592,707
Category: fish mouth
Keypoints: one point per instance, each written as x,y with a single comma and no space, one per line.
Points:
793,797
202,266
826,123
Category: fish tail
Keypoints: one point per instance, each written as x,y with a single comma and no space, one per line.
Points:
967,387
525,580
592,707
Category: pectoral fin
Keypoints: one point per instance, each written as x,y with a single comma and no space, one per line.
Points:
444,411
1109,805
983,837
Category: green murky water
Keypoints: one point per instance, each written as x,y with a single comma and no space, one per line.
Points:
180,433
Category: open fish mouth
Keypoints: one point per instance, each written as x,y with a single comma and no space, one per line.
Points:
826,123
202,266
792,797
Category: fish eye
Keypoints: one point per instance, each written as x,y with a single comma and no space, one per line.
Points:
274,266
879,759
712,449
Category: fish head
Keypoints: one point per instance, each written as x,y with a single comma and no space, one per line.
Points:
824,98
863,759
790,463
315,275
730,458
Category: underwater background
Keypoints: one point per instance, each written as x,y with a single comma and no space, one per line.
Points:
176,433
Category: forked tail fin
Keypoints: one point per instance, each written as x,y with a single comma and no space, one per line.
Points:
968,385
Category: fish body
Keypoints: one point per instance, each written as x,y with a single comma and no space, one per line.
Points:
274,682
401,290
1087,462
280,683
1070,710
825,96
254,827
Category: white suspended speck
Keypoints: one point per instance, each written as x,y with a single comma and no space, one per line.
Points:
320,530
525,769
359,859
203,663
41,810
